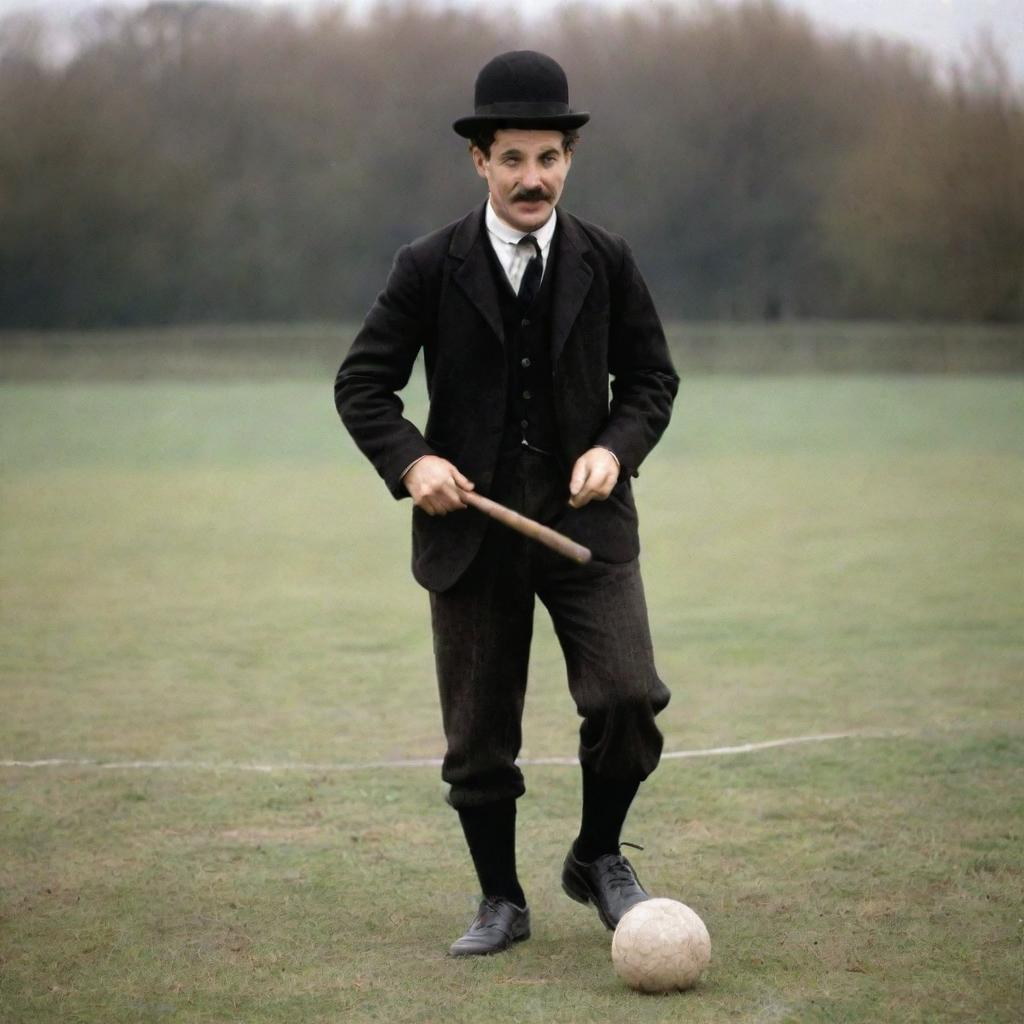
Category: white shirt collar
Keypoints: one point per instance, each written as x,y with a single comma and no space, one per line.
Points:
504,232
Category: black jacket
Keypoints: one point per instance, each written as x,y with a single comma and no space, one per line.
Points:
441,297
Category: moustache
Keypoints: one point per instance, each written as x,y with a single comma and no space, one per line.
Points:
532,195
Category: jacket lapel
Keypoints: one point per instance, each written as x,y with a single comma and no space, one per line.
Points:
474,275
572,281
573,278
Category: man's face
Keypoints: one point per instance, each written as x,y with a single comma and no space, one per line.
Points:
525,175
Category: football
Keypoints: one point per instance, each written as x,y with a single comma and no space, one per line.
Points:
660,945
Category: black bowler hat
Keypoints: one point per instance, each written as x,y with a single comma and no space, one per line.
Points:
521,89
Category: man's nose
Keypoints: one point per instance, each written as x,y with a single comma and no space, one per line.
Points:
531,177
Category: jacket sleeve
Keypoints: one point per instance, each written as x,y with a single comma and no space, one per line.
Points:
644,381
377,366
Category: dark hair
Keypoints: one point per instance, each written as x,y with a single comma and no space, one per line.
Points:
485,139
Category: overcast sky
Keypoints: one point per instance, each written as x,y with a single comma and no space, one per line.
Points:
943,26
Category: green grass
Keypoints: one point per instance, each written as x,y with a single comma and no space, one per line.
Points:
210,573
204,352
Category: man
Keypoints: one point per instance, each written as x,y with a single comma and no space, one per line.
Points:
524,315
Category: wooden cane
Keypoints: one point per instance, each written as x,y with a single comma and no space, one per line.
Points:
528,527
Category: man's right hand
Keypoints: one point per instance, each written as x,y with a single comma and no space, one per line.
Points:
432,483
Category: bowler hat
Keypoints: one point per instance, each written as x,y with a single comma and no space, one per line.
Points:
521,89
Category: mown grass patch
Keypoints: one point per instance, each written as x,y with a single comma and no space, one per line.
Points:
209,573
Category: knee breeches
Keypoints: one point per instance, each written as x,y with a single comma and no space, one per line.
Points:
482,631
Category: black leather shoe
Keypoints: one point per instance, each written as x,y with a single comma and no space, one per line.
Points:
609,883
498,923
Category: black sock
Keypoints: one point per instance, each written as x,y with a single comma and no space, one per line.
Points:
605,806
490,832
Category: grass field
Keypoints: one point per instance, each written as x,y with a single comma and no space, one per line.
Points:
209,575
221,352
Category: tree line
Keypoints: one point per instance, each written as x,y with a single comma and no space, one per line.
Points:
189,162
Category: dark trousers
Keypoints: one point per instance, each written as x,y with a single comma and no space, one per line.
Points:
482,631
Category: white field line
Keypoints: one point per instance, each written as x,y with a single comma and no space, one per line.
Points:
428,762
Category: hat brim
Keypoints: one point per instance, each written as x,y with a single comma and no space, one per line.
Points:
467,127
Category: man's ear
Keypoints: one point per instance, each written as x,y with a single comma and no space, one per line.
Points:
479,160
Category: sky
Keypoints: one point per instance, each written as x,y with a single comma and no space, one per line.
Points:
942,26
945,27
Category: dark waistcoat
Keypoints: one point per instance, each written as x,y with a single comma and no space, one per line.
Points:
530,419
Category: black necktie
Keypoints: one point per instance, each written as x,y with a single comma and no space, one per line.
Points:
530,284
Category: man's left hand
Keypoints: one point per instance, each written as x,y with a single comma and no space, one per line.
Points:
594,475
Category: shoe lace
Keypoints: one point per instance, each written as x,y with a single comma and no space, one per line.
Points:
620,871
491,903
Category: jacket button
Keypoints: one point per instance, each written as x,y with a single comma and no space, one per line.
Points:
524,423
524,362
524,323
526,395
